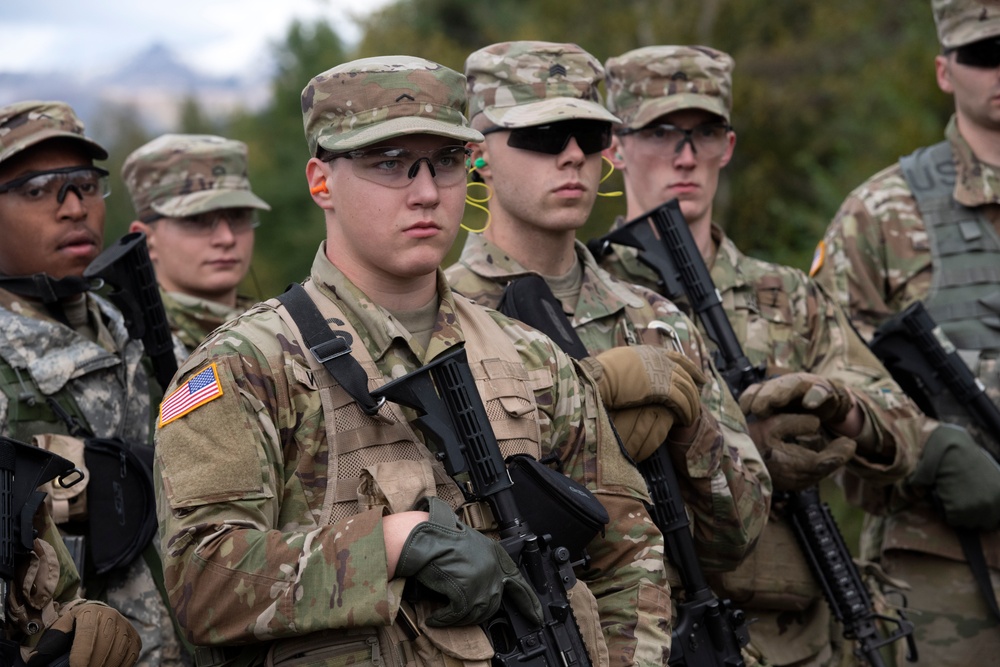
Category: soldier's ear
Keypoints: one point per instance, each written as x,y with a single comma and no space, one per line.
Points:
150,232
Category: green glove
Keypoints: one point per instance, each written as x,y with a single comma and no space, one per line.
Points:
471,570
965,478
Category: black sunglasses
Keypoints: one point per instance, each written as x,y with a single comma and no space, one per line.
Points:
984,54
592,136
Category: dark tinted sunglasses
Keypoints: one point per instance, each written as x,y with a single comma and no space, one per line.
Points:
592,136
984,54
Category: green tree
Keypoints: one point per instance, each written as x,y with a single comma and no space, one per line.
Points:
290,233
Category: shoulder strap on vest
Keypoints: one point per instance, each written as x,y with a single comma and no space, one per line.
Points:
930,172
332,348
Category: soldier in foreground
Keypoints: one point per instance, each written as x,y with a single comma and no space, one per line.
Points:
192,199
675,103
306,515
926,229
69,370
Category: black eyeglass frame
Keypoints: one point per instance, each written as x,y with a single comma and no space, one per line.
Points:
520,137
102,174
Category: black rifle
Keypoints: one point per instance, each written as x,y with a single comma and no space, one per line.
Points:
125,266
452,416
23,468
926,365
666,245
707,632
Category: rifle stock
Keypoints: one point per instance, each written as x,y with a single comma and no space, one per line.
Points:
926,365
665,244
452,416
126,267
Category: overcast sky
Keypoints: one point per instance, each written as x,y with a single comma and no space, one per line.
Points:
221,37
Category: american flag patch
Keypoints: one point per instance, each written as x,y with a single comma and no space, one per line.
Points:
203,387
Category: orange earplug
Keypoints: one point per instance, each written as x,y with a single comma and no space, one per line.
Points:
316,189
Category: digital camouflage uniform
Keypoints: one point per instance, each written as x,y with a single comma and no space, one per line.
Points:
250,557
727,489
103,377
790,324
876,259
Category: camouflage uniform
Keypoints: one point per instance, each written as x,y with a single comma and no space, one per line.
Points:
250,556
876,259
729,489
790,324
96,370
192,319
181,175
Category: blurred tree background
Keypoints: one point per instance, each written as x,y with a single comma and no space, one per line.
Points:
824,96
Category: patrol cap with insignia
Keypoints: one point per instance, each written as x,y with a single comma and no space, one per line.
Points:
369,100
26,124
647,83
521,84
961,22
179,175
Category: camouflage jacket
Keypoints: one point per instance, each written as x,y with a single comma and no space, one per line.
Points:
875,259
107,383
245,559
105,379
192,319
728,490
791,324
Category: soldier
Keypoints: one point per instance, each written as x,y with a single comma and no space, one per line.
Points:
192,199
69,370
675,104
926,229
288,533
542,161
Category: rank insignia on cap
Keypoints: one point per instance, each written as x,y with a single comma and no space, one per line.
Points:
202,387
818,258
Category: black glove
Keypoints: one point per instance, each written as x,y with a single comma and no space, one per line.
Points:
471,570
964,476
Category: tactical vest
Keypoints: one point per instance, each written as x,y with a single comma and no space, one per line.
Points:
378,461
964,296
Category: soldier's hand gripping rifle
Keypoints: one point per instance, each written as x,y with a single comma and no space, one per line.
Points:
665,244
452,416
125,266
23,468
707,632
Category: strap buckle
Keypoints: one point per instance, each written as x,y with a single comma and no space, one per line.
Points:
330,349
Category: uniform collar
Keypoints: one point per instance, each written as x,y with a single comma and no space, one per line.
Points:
977,183
375,323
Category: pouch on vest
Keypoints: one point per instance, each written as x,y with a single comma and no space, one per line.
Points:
556,505
120,502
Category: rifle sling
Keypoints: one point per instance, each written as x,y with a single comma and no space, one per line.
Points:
331,348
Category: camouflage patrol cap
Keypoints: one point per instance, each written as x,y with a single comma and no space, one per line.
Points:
647,83
366,101
961,22
25,124
520,84
178,175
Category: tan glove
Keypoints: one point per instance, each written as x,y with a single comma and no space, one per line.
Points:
647,390
799,393
94,635
795,456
